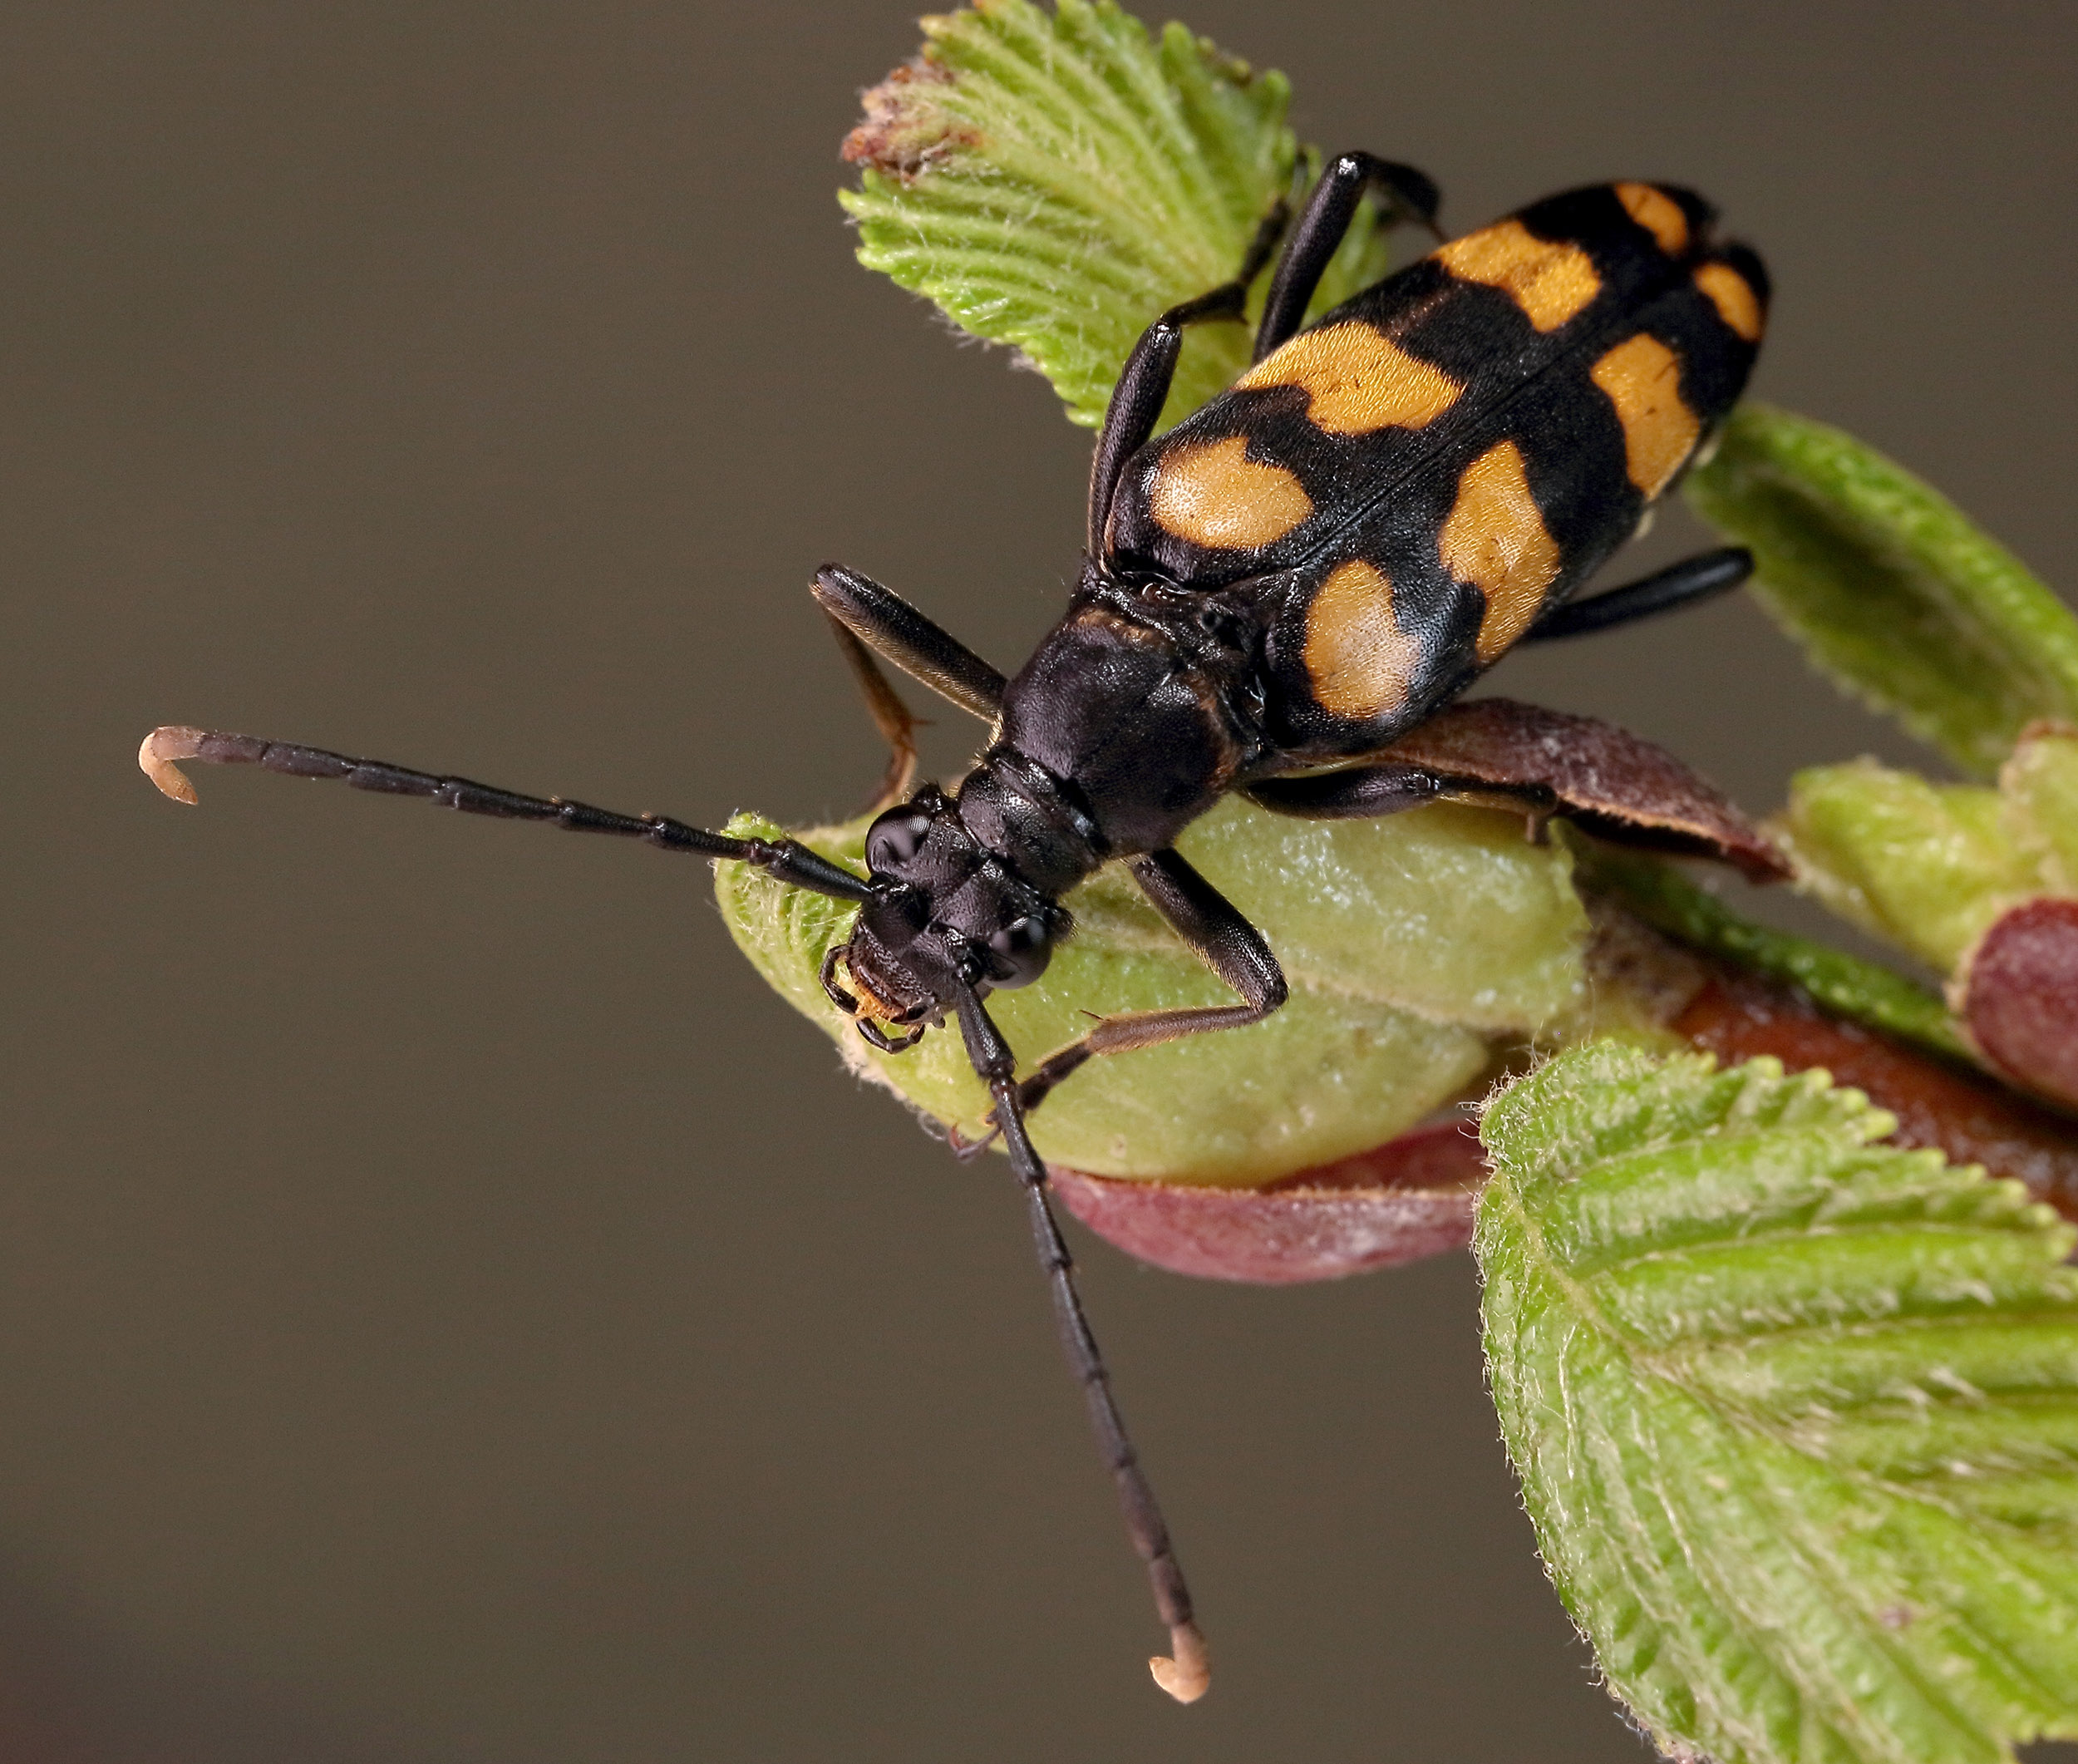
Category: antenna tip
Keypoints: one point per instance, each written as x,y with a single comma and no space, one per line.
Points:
160,749
1189,1675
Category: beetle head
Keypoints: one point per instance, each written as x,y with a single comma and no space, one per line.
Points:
948,916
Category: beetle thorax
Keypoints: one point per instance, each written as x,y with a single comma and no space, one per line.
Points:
1132,706
1119,731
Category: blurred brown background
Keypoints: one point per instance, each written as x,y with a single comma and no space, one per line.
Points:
448,1309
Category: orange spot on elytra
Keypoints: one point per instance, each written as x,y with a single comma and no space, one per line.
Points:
1658,213
1357,380
1642,378
1212,494
1549,280
1357,658
1734,297
1495,538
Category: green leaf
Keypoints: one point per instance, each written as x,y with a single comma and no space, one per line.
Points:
1890,587
1795,1415
1414,945
2039,784
1054,180
1930,866
1846,985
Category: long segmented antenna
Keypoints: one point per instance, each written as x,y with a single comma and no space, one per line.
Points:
788,860
1187,1674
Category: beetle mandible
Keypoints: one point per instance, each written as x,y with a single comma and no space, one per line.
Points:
1271,594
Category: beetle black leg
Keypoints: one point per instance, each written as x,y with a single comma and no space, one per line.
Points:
890,715
1679,585
787,860
887,624
1412,196
1187,1675
1143,383
1361,793
1226,942
1368,792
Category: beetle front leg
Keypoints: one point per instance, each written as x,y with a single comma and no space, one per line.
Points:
1218,934
865,617
891,716
888,625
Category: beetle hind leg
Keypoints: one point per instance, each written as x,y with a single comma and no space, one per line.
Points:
1498,753
1692,579
1143,382
1361,793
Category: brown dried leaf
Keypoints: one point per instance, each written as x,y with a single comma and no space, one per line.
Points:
1617,786
903,132
1413,1197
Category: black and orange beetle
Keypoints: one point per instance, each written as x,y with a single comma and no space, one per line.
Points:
1272,593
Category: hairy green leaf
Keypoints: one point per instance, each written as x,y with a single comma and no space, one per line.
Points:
1890,587
1795,1414
1413,946
1053,180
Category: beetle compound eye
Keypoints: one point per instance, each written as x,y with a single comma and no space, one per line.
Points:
895,838
1019,953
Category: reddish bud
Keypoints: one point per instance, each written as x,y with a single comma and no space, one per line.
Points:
1969,1119
2019,991
1409,1199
